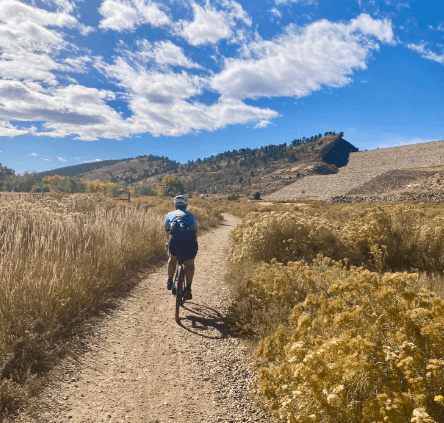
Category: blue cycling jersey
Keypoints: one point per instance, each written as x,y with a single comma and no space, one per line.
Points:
180,214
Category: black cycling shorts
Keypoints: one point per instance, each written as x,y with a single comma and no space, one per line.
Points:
187,249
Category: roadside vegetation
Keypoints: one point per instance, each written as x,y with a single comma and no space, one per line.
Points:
62,259
344,305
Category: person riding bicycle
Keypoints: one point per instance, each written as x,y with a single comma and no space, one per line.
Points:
181,230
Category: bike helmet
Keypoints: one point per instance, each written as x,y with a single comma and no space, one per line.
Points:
181,201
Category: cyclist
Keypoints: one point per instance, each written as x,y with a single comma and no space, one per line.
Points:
181,230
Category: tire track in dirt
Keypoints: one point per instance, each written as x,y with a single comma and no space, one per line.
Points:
140,366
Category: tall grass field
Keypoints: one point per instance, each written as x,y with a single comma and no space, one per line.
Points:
62,259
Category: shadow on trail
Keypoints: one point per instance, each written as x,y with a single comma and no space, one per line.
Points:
203,321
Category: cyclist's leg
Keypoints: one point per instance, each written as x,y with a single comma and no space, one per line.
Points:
189,270
172,263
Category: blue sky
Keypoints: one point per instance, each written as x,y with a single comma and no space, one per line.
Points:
107,79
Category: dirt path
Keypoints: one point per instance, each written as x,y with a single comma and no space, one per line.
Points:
140,366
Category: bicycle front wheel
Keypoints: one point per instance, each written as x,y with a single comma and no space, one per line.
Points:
179,290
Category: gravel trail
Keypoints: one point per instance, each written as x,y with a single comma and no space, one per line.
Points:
140,366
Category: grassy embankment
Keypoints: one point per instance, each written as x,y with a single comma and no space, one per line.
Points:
344,304
61,261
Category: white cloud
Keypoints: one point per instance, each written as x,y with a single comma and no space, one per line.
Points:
64,111
34,154
28,48
427,53
303,59
162,103
210,24
276,12
46,160
121,15
164,53
262,124
309,2
92,161
400,6
61,159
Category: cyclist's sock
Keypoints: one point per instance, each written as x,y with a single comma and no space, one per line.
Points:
189,285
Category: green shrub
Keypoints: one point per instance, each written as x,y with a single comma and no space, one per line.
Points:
146,191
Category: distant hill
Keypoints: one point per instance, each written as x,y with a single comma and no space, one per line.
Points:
265,169
77,169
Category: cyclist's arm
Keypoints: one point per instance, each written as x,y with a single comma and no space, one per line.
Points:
167,227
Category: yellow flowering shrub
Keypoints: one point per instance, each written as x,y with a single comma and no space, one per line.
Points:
370,348
385,238
285,237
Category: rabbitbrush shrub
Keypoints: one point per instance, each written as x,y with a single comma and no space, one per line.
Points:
368,349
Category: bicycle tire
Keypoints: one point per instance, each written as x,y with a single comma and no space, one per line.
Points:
179,289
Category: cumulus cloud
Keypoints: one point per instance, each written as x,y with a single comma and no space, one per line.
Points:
427,53
303,59
163,53
211,24
61,159
28,47
161,99
64,111
121,15
166,103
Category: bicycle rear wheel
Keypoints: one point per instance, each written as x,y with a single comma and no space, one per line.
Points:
179,289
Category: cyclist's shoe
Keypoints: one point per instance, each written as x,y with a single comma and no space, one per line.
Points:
173,290
186,293
169,284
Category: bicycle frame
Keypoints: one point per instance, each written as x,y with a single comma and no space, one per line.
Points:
179,285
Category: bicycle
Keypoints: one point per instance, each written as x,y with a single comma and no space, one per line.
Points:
179,285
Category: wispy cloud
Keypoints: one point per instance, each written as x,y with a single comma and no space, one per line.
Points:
426,53
46,160
262,124
92,161
61,159
34,154
439,27
309,2
276,12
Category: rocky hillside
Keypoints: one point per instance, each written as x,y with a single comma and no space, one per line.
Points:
265,169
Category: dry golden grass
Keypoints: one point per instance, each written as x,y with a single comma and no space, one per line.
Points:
60,260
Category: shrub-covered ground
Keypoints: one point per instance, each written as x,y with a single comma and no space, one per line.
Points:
344,305
61,260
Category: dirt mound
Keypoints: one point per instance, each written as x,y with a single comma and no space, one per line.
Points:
390,181
363,166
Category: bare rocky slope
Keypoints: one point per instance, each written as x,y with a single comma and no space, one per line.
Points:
364,166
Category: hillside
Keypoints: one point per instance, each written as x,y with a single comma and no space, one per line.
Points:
373,172
265,169
118,169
